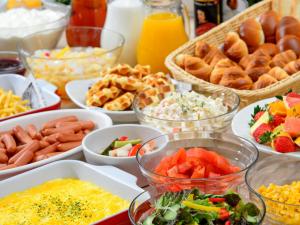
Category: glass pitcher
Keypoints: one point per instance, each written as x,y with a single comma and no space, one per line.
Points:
87,13
162,32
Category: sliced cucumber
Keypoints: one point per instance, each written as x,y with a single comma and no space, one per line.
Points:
119,144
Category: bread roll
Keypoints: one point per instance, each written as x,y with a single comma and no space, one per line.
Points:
278,73
201,49
287,25
268,48
236,78
256,57
234,47
289,42
197,67
269,22
264,81
292,67
252,33
179,60
219,70
283,58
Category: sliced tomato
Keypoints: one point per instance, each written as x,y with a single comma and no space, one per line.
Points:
203,154
134,150
185,167
163,166
123,138
179,157
199,172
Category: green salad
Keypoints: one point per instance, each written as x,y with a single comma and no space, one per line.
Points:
190,207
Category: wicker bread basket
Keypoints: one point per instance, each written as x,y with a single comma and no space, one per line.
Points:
216,37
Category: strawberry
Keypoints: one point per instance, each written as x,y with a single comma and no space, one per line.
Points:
276,120
263,133
293,95
258,115
284,144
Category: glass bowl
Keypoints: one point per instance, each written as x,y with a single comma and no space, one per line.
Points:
10,63
279,170
236,150
10,37
140,207
73,53
217,123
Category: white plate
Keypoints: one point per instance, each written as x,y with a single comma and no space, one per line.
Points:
77,90
109,178
100,119
17,84
241,128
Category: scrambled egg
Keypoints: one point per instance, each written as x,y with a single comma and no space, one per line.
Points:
59,202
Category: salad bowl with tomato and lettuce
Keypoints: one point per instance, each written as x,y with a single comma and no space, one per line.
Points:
192,207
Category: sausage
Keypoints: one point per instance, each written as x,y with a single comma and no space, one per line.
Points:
8,167
2,145
66,129
6,132
51,138
84,124
3,157
45,156
9,143
67,146
33,132
49,149
3,150
33,147
44,144
53,123
3,164
86,131
20,147
53,154
69,137
24,158
22,135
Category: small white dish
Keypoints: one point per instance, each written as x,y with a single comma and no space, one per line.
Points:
17,83
241,128
95,142
77,89
100,119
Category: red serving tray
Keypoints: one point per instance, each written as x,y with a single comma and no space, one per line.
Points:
119,219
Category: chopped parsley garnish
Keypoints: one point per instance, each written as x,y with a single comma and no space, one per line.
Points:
265,138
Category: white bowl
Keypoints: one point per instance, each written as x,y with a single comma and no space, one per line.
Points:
77,89
107,177
17,84
95,142
100,119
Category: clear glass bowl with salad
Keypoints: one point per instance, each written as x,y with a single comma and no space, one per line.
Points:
183,110
277,180
213,162
72,53
191,207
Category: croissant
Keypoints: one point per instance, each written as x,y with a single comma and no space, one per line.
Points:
283,58
201,49
264,81
235,77
179,60
292,67
269,49
219,69
197,67
121,103
278,73
255,72
234,47
256,59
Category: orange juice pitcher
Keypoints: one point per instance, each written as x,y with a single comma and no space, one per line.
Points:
162,32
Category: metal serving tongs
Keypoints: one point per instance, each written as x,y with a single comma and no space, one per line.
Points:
32,93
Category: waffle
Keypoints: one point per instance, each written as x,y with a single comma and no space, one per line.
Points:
121,103
104,95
